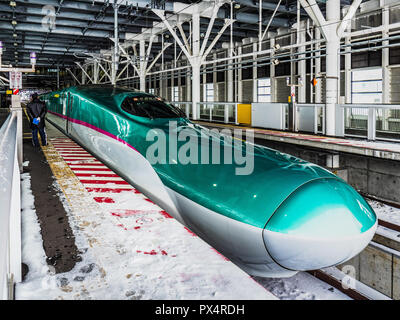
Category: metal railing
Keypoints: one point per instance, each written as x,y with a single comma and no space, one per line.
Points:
372,121
10,208
225,112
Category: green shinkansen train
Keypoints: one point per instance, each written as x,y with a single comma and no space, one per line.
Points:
282,216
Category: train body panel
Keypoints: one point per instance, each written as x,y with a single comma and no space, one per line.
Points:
240,215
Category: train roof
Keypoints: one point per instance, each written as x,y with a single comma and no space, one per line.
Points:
106,95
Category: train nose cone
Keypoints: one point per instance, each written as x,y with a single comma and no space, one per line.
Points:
323,223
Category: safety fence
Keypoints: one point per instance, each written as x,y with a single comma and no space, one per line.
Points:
310,117
224,112
371,121
10,208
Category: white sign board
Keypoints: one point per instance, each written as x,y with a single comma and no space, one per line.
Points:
15,80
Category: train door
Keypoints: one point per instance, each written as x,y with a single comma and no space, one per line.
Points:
70,101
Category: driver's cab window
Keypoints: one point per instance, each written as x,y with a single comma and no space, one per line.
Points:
151,107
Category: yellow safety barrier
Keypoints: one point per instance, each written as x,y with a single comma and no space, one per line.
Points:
244,113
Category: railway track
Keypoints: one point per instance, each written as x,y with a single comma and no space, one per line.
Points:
337,279
385,245
384,223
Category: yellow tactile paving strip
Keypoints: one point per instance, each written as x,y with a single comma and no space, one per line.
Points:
82,208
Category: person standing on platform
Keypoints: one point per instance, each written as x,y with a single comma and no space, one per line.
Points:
37,111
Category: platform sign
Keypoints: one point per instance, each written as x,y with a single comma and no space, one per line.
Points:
292,94
15,80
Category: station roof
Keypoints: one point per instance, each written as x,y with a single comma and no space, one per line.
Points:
61,31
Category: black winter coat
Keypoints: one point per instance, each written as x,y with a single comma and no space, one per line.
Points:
35,109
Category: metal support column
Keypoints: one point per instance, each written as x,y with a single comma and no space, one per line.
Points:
115,57
58,77
318,87
215,84
302,63
196,64
332,65
239,81
17,109
255,78
272,72
142,69
385,68
230,81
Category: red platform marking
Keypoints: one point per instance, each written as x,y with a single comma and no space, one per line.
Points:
69,152
82,160
66,145
165,214
153,252
111,190
128,213
220,254
92,169
122,226
61,143
103,182
85,164
148,200
97,175
83,156
191,232
103,200
74,155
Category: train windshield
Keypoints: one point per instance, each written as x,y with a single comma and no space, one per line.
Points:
151,107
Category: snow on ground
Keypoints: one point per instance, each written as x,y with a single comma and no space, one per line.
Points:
130,249
302,286
385,212
41,283
137,254
32,249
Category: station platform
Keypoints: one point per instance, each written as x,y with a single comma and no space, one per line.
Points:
88,234
382,150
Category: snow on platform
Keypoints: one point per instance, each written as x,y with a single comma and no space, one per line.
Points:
386,212
131,249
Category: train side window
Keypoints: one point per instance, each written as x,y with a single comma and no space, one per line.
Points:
150,107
